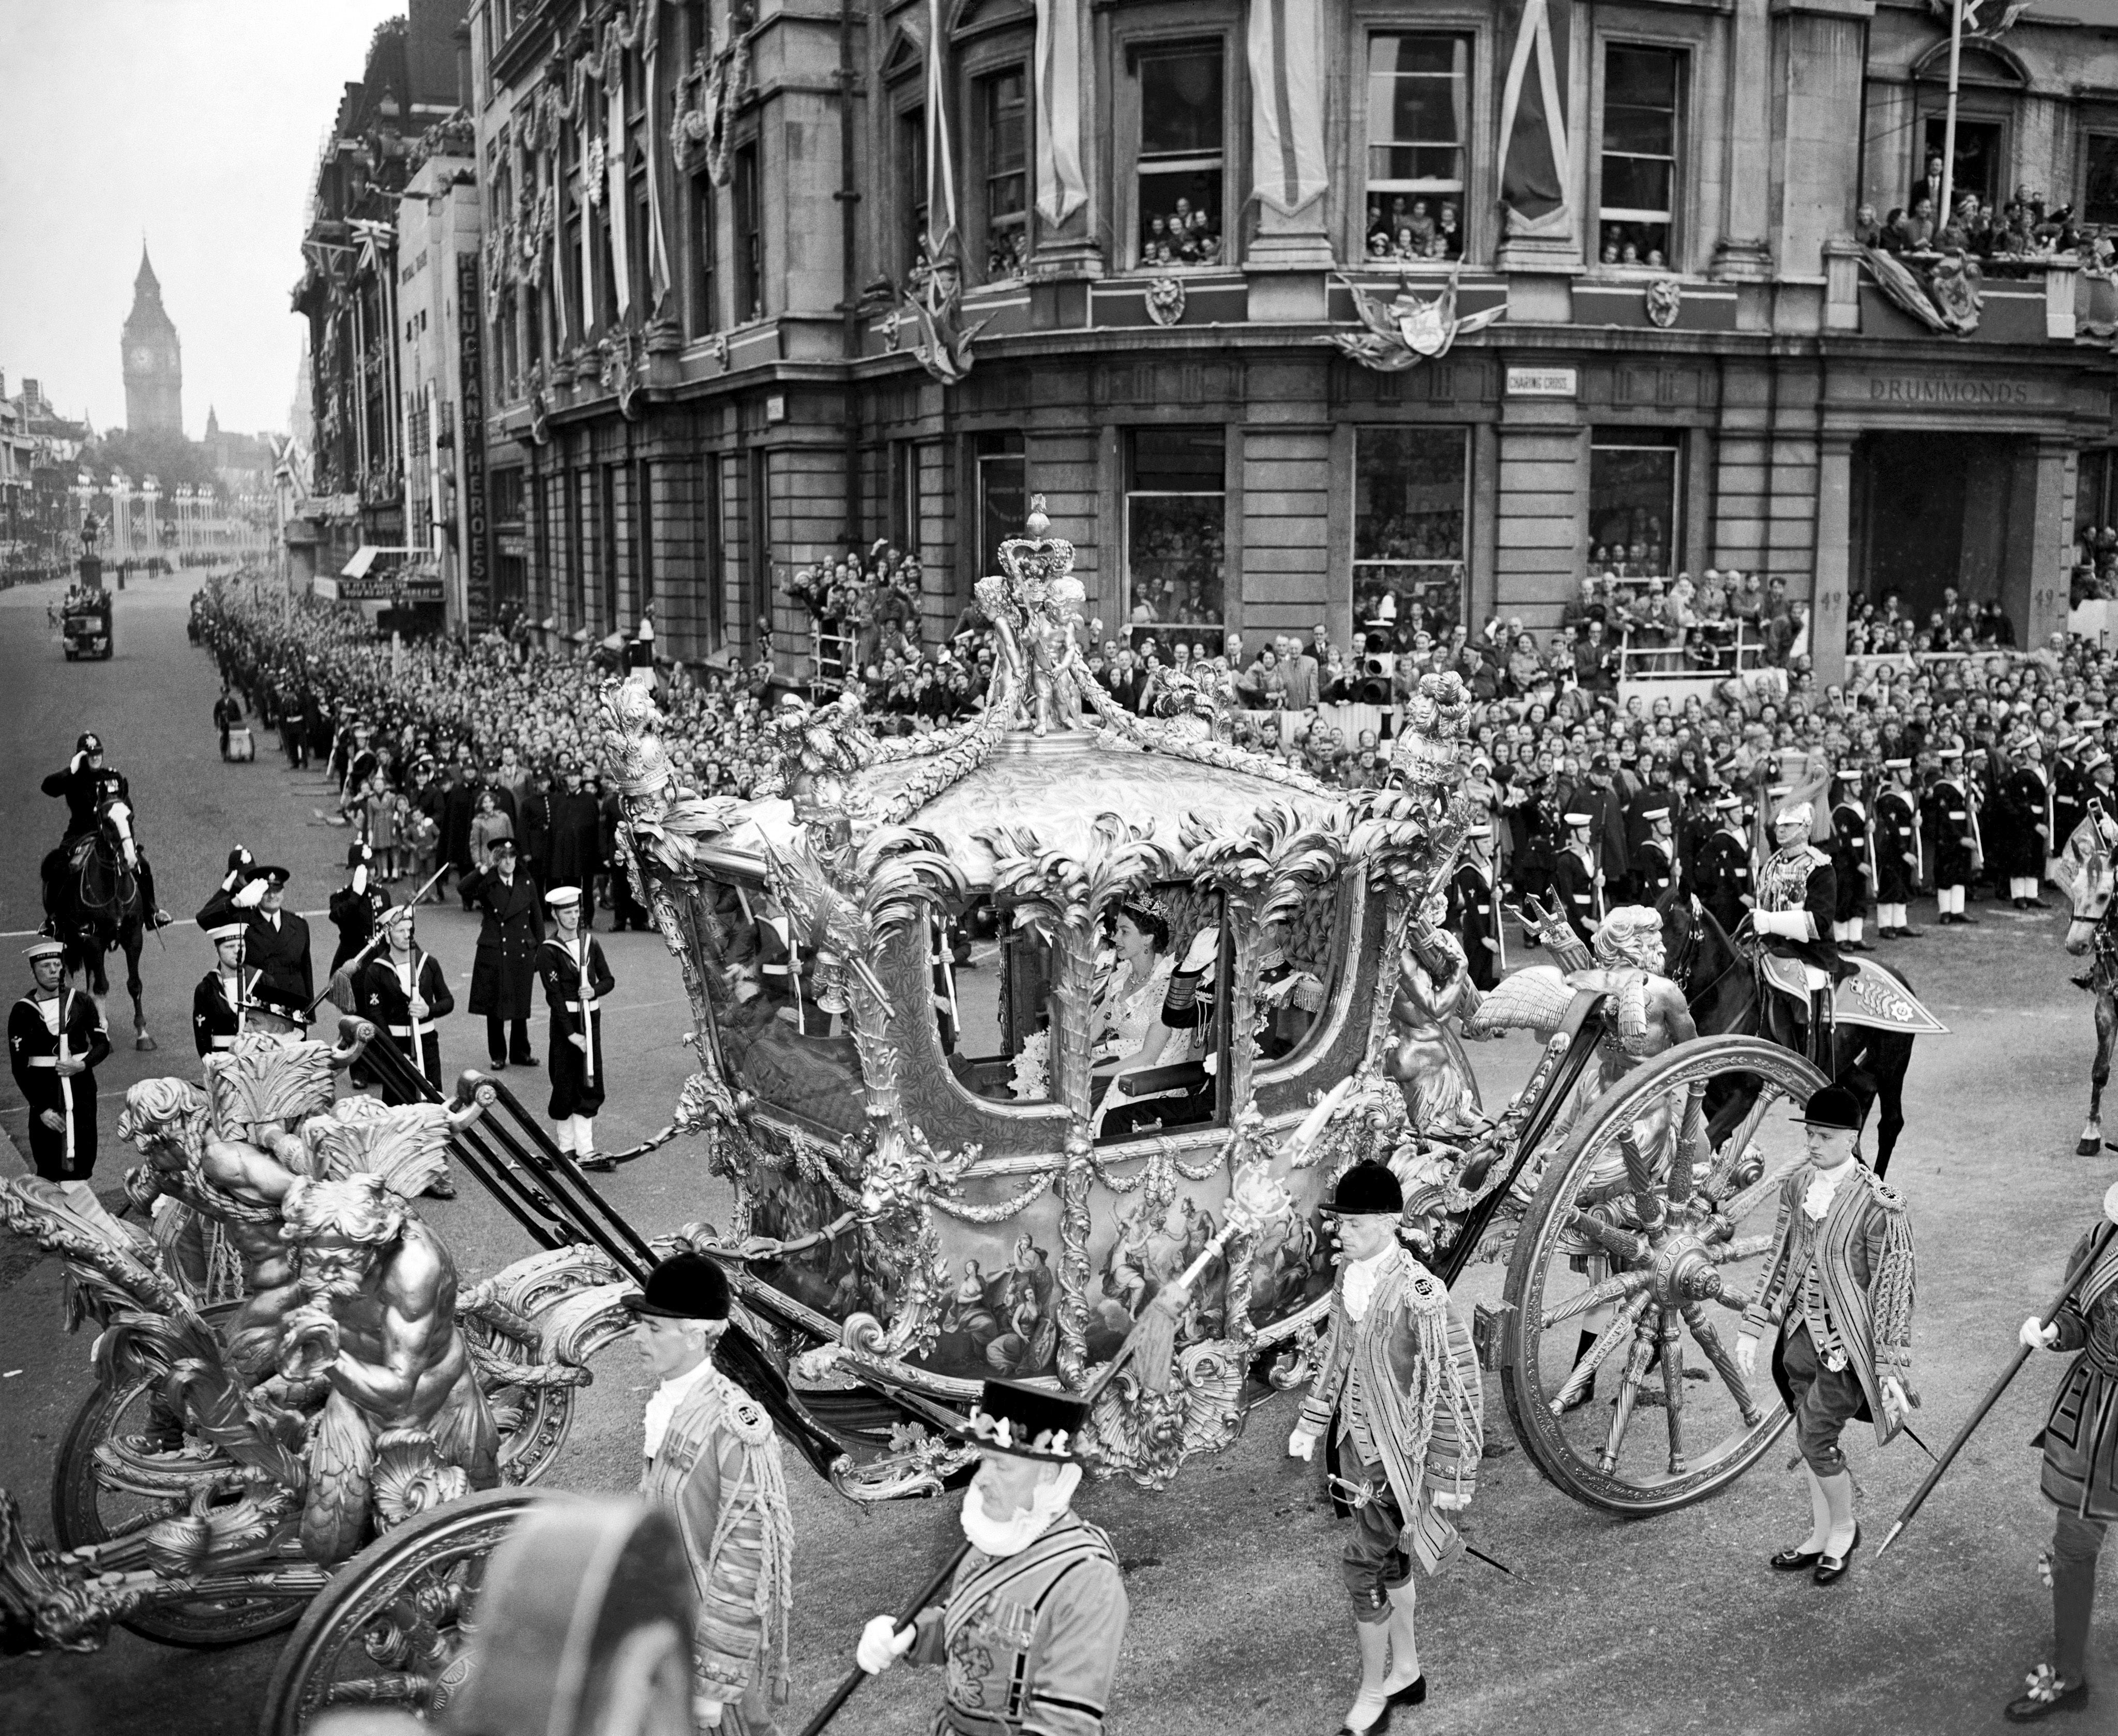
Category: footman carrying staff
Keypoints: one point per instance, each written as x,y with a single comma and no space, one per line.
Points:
575,977
56,1040
506,961
1033,1623
405,990
712,1463
275,939
1399,1375
1839,1286
221,1003
1897,847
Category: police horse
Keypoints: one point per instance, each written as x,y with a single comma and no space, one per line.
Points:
93,903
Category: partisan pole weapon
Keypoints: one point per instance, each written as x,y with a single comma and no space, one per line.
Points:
374,941
2104,1234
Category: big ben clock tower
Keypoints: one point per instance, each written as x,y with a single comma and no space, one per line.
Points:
154,362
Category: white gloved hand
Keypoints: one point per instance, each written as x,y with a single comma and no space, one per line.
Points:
2036,1336
706,1712
360,878
77,762
1301,1445
1449,1501
250,896
881,1645
1746,1354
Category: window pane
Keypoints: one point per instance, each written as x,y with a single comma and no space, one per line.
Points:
1636,184
1178,461
1180,103
1174,548
1180,217
1650,132
1418,109
1644,76
1632,503
1001,506
1409,493
2099,197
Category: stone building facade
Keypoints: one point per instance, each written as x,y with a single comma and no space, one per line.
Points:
710,360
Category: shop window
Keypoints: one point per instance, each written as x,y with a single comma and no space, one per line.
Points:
1180,178
2094,508
1636,478
1177,530
1408,506
912,168
506,490
2099,181
1641,89
1004,112
904,501
1002,502
1419,116
712,630
749,236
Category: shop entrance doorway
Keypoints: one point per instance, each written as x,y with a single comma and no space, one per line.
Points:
1936,511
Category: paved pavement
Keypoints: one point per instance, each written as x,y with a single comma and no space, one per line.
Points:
1667,1625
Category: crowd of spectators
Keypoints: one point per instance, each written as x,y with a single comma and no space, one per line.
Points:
1185,234
1409,228
1886,629
2021,228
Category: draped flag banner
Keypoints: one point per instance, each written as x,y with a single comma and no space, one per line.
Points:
1062,189
940,160
621,248
1287,85
1533,152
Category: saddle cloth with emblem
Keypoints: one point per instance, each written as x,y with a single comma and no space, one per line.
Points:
1871,996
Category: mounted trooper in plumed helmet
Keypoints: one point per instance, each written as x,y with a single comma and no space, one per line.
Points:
1797,894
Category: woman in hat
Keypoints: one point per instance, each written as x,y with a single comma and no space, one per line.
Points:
1837,1288
572,967
506,963
711,1461
1398,1380
1036,1615
56,1040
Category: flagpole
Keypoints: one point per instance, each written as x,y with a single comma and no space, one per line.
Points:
1949,126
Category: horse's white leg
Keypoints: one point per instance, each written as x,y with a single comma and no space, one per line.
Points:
2091,1142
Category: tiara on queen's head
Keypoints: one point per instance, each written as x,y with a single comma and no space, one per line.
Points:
1147,904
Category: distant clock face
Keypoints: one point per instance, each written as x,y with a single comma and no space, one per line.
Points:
143,358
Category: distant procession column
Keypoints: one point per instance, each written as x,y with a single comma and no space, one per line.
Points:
1834,531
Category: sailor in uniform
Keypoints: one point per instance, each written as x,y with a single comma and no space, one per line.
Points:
571,966
1951,821
222,1002
1397,1379
357,907
56,1040
1576,881
1837,1293
1654,859
711,1462
2069,798
405,991
1033,1623
1852,862
1473,913
1797,902
1895,845
2031,837
1724,884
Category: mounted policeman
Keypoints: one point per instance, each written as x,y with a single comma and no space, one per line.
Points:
86,784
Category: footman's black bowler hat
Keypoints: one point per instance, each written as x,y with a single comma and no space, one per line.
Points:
1833,1106
1365,1189
685,1286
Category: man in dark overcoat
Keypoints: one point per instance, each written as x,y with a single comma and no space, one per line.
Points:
505,969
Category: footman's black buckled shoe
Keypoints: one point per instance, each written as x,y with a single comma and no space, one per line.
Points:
1831,1568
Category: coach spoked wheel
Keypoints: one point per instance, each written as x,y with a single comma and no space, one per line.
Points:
1645,1239
392,1626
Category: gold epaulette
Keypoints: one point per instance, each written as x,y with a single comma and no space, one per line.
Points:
1883,1194
746,1418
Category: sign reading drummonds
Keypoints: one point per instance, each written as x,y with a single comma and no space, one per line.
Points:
1921,389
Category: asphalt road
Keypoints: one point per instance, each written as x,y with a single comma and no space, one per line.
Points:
1238,1625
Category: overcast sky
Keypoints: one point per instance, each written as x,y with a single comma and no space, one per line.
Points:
192,122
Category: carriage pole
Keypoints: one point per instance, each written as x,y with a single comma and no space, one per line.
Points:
2103,1236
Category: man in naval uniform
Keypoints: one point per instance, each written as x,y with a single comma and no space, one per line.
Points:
405,991
1473,912
712,1463
222,1001
275,939
1032,1625
1896,842
357,907
1852,862
1655,857
576,980
2028,797
1797,900
1951,822
1398,1377
1723,884
1577,883
56,1040
1837,1289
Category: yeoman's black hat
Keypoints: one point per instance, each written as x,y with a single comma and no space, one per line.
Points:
685,1286
1366,1189
1833,1106
1027,1422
